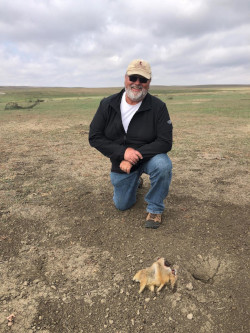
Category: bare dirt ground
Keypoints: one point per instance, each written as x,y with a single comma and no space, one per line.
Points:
68,256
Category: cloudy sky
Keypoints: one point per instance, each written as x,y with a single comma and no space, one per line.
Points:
89,43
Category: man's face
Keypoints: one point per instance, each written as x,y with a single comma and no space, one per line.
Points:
135,91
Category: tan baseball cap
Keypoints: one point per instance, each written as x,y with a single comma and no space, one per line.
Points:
139,67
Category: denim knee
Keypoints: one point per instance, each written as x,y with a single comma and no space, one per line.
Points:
161,164
123,205
165,167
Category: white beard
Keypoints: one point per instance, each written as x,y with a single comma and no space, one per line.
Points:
136,97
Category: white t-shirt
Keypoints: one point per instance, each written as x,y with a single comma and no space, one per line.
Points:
127,111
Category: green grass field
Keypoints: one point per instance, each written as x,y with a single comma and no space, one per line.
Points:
225,101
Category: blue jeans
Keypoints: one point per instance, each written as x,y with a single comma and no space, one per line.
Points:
159,169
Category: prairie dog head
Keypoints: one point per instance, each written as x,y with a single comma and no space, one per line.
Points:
164,263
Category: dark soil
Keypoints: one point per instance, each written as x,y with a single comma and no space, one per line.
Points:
68,256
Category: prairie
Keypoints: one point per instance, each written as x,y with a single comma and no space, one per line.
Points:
67,256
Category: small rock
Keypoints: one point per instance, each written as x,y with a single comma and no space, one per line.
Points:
111,321
132,322
189,286
147,300
190,316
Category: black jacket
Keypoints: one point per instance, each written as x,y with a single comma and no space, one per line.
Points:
149,131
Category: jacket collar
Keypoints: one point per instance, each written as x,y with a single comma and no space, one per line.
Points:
145,105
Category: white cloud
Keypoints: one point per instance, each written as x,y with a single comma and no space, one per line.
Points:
90,43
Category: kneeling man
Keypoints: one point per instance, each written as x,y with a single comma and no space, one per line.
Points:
134,130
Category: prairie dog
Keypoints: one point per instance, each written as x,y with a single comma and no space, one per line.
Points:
157,275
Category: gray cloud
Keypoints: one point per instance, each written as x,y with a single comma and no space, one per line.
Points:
84,43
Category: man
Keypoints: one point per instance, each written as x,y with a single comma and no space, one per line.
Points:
134,130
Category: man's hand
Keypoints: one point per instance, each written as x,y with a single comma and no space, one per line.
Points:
125,166
131,155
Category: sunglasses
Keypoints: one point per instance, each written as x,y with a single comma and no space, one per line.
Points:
133,78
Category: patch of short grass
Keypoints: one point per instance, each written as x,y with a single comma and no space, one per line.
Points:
82,103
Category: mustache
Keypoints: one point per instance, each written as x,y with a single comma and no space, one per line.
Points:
137,86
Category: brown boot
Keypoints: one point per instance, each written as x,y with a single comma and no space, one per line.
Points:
153,221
